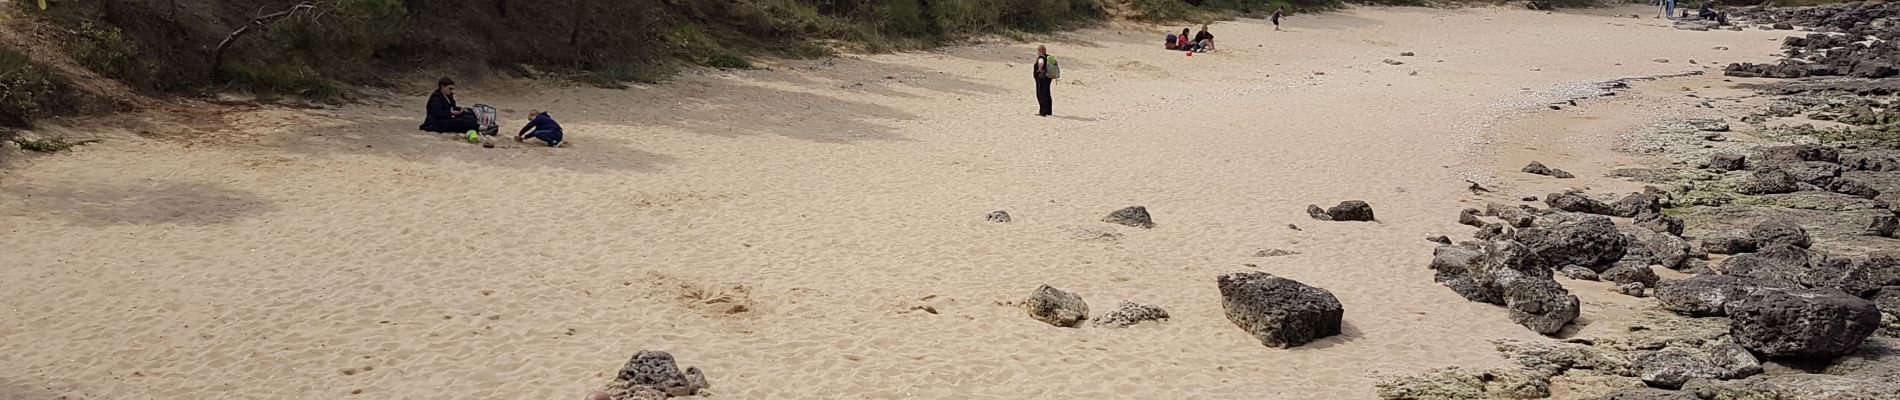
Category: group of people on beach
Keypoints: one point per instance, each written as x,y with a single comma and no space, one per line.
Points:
444,116
1203,41
1706,12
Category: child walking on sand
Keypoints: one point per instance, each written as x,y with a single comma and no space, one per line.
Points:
1276,17
541,126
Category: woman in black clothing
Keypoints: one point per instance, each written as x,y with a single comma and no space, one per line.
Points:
443,116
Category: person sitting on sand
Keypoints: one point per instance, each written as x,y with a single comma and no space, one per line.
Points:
1708,12
1203,40
1184,43
541,126
443,116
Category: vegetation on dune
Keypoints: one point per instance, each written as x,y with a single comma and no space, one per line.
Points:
28,90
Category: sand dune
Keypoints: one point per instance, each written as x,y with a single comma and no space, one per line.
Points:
783,229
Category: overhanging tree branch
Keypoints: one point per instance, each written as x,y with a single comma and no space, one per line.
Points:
217,58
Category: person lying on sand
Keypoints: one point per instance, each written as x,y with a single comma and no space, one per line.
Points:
541,126
443,116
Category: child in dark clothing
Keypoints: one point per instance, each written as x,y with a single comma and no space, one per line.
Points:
541,126
1276,17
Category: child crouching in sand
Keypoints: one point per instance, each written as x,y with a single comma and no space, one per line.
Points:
541,126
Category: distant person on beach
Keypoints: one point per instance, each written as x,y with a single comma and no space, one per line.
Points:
1044,78
1204,40
1184,44
541,126
1708,12
443,116
1276,17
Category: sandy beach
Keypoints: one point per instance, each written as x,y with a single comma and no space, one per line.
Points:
815,229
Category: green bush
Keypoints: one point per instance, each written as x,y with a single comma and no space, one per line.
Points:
28,90
309,52
105,49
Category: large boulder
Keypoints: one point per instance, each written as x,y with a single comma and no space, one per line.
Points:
1819,174
1782,263
1576,202
1707,295
1280,312
1802,323
1627,273
1728,242
1661,248
1056,307
1136,216
1129,313
655,371
1587,240
1351,210
1779,231
1636,204
1540,304
1723,162
1769,182
1781,155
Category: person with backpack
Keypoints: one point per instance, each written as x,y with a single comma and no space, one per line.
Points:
443,116
1046,72
541,126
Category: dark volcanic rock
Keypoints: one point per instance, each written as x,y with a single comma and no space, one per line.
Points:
1517,216
1539,169
1492,231
1351,210
998,217
1802,324
1587,240
1769,182
1632,289
1469,216
1782,155
1872,160
1541,305
1660,248
1628,273
1671,367
1856,188
1280,312
1507,273
1578,273
1636,204
1574,201
1776,232
1817,173
1706,295
1883,226
1136,216
1056,307
1728,242
1723,162
1660,223
1773,263
656,370
1313,210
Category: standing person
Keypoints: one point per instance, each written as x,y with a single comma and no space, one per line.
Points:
1043,79
443,116
541,126
1276,17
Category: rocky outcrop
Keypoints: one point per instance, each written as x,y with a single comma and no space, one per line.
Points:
1279,312
1625,273
1723,162
1656,248
1576,202
1538,168
1777,232
1578,273
1707,295
1772,181
1660,223
1636,204
1802,323
1351,210
1590,241
1056,307
1457,383
1136,216
1510,274
655,372
1129,313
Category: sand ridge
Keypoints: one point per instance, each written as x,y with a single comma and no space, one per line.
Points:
783,230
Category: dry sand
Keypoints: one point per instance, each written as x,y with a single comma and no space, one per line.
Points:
782,229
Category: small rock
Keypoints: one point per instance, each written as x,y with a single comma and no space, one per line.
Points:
1056,307
998,217
1441,239
1136,216
1351,210
1576,272
1274,253
1279,312
656,371
1672,367
1129,313
1883,226
1313,210
1631,289
1389,61
1469,216
1405,54
1529,198
1662,60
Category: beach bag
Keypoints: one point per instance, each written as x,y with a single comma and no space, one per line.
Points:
1050,69
486,120
1173,42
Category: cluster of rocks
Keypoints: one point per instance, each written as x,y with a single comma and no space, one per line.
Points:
1538,168
1277,311
653,375
1350,210
1063,309
1842,47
